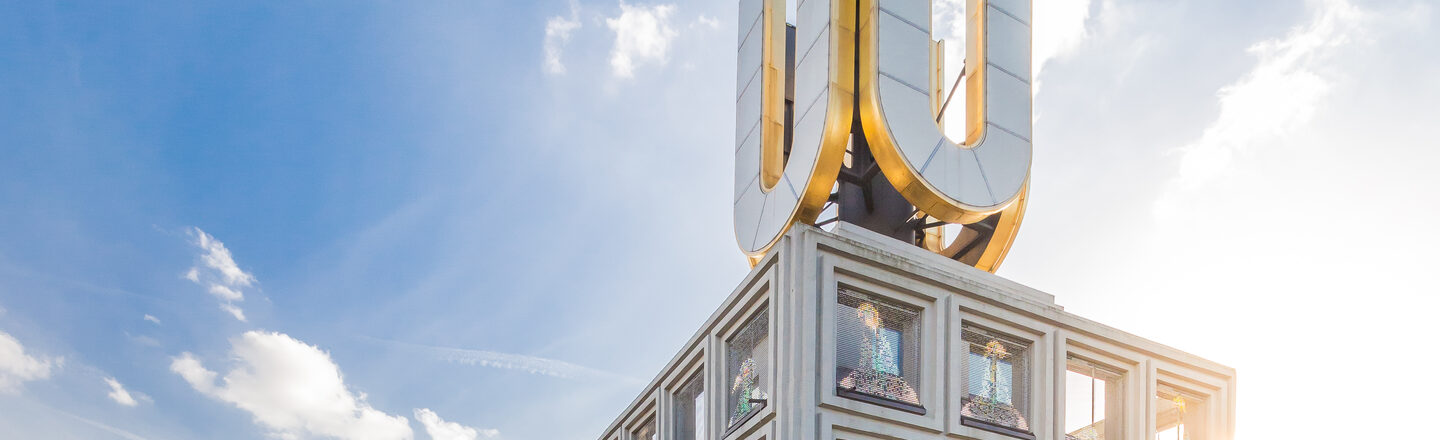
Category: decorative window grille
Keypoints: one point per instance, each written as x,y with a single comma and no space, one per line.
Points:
1093,401
877,351
1179,414
747,359
690,409
997,382
646,432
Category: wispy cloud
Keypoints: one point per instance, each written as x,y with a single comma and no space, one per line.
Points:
291,388
439,429
143,340
223,276
119,394
642,35
152,319
1272,100
557,35
509,361
707,22
127,435
217,258
17,367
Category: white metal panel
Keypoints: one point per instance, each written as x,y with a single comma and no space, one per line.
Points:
779,202
916,12
1008,103
1018,8
748,110
807,36
907,113
747,164
904,52
747,213
956,171
808,132
747,63
750,11
981,176
1005,160
1009,44
762,216
812,77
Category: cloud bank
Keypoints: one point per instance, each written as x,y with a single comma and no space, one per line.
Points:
642,35
439,429
17,367
293,389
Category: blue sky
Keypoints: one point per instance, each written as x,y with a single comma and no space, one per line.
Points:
454,219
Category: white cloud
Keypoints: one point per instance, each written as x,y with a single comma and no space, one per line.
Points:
225,278
153,319
1279,95
1059,27
557,34
642,34
439,429
218,258
119,394
708,22
16,367
226,293
236,312
293,389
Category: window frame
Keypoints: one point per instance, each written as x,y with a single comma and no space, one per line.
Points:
1042,352
929,300
735,323
1194,382
1130,363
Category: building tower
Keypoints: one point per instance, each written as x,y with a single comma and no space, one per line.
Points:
884,327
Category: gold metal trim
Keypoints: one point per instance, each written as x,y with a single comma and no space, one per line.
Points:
839,112
772,97
907,180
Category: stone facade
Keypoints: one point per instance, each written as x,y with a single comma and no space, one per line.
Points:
851,335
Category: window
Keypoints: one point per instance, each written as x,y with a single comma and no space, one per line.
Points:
997,382
1093,401
746,358
690,409
646,432
877,351
1179,414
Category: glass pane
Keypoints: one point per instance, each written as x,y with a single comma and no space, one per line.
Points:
690,409
997,379
647,432
877,348
1091,392
746,356
1179,415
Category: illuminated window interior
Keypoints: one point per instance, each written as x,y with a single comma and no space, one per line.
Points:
1093,401
690,409
877,350
646,432
746,359
997,382
1179,414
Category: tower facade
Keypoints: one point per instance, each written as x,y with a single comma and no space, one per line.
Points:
853,335
892,325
